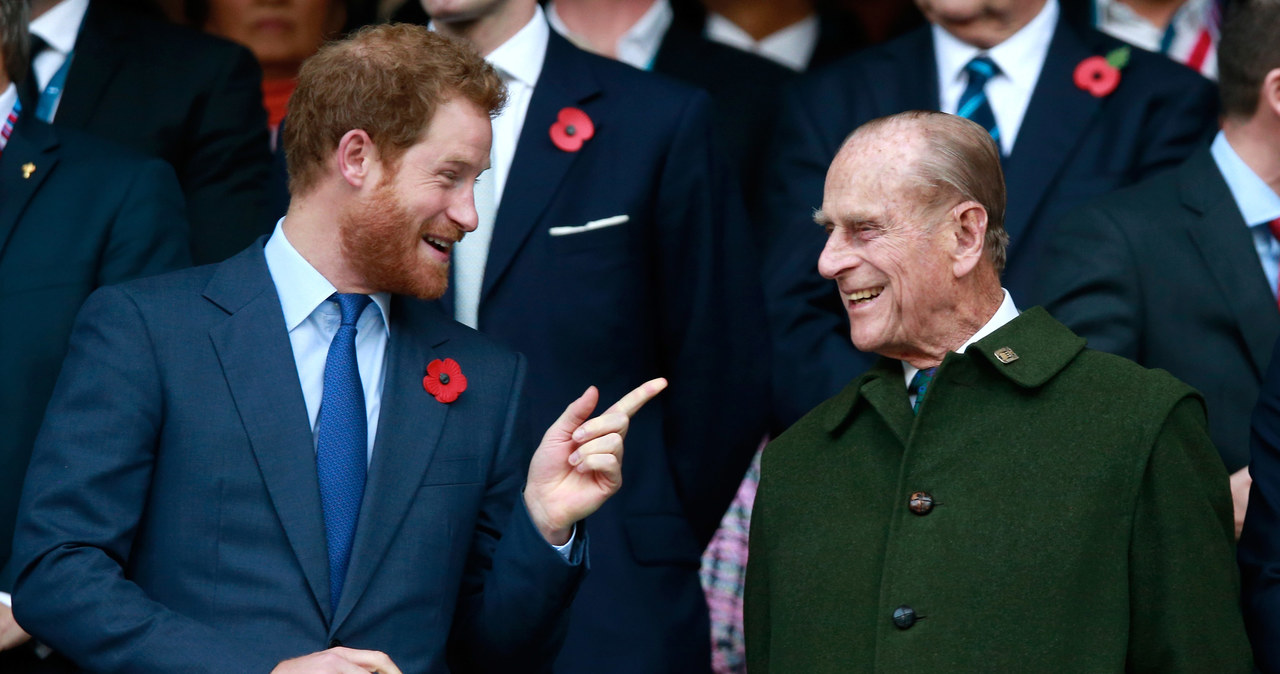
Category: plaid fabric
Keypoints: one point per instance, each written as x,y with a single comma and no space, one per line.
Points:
724,572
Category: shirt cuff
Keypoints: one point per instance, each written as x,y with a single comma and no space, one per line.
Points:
7,599
564,550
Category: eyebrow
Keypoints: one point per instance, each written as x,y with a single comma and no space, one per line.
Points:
820,216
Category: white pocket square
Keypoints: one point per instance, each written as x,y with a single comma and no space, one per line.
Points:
594,224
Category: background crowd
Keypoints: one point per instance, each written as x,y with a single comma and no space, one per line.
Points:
669,197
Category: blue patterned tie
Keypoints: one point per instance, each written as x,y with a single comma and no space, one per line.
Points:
919,384
973,102
342,443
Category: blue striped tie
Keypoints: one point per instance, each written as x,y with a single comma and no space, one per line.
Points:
973,102
342,443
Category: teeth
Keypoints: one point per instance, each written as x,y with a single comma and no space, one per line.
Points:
865,294
440,243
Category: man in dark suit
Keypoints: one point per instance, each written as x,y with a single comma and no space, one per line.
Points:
178,484
76,213
1062,141
167,91
615,254
991,496
1180,271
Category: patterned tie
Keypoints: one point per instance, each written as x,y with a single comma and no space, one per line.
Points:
342,443
973,102
1274,226
919,385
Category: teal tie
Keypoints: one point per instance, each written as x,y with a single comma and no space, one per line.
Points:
919,384
973,102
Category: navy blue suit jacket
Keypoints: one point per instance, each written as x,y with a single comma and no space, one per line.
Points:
671,292
1071,146
172,517
1165,273
1259,549
88,214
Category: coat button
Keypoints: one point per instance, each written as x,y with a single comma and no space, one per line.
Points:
335,643
904,617
921,503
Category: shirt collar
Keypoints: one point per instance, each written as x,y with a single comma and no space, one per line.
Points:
7,100
1258,203
638,46
520,58
1019,57
60,26
301,288
1007,312
792,46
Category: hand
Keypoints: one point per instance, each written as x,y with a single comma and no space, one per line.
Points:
339,661
1241,481
578,466
10,634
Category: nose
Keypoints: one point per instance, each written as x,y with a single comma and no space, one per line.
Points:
463,210
837,255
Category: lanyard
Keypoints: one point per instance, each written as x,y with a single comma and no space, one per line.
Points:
9,121
53,91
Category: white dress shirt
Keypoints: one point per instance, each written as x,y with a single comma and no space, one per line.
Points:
1258,204
1177,41
59,27
519,62
1020,59
792,46
1007,312
638,47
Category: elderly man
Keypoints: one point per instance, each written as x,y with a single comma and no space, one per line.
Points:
1024,504
243,465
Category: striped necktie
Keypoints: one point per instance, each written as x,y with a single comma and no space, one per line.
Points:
919,385
973,102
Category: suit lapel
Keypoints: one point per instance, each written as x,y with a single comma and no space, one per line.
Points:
1227,247
98,52
1059,112
33,143
409,428
539,166
257,360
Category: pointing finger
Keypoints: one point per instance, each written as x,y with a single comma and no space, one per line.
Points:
633,401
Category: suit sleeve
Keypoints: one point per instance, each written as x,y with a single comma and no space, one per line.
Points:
813,357
1260,541
1184,585
85,493
149,233
226,174
713,334
513,605
1093,285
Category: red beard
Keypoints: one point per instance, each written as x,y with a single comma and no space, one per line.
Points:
380,242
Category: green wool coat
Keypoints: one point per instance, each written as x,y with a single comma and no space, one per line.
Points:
1081,522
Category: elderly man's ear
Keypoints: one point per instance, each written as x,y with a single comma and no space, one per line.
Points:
970,228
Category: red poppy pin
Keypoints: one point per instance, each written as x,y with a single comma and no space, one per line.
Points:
572,128
444,380
1100,75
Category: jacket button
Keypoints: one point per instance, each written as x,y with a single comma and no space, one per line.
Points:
335,643
921,503
904,617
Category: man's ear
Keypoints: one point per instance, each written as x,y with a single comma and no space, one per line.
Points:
970,222
1270,93
357,157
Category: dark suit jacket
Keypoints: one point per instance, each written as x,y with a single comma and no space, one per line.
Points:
90,214
174,487
1259,550
745,96
668,293
1165,273
1071,146
190,99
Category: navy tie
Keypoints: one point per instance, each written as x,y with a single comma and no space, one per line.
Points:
920,385
973,102
342,441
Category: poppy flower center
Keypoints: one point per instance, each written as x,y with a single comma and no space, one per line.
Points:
444,378
570,130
